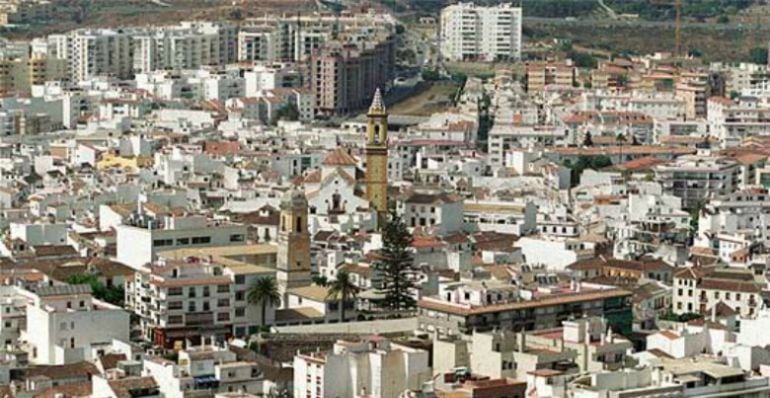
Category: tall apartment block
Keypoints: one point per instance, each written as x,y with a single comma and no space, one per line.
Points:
344,76
471,32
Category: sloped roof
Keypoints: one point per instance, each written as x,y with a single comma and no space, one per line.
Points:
339,157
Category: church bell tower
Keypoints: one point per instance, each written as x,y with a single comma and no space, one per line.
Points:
293,259
376,151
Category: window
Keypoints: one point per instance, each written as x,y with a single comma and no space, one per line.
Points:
175,291
223,316
223,288
82,303
163,242
206,291
206,306
237,238
69,304
191,306
175,319
183,241
191,292
223,302
240,311
174,305
201,240
240,279
239,296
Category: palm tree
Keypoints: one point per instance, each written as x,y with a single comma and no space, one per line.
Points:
620,139
344,289
264,291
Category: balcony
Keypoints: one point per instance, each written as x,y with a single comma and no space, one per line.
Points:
199,318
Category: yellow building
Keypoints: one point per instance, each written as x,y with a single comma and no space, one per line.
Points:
18,75
376,151
130,164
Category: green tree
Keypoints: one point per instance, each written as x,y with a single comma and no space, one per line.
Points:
264,291
431,75
586,162
320,280
343,289
583,60
287,112
396,266
113,294
758,55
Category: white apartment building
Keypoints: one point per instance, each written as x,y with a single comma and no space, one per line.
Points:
66,325
732,121
269,77
660,106
375,368
185,298
440,211
139,242
743,76
734,222
471,32
698,291
95,52
697,179
258,44
204,369
518,218
13,311
504,137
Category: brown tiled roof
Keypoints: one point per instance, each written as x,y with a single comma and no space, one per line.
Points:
729,285
123,387
58,372
546,301
339,157
110,361
669,334
72,390
54,250
641,164
659,353
431,198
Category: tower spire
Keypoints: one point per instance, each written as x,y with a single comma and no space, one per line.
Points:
376,151
378,105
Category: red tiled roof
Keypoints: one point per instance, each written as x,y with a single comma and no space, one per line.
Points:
339,157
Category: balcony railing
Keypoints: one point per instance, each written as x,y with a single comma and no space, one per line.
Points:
199,318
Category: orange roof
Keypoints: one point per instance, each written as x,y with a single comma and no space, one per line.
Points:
339,157
644,163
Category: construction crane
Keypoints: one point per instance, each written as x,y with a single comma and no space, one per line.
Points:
678,24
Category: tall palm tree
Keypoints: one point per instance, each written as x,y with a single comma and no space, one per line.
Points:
264,291
620,139
343,289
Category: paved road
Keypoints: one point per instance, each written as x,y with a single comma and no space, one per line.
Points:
645,24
